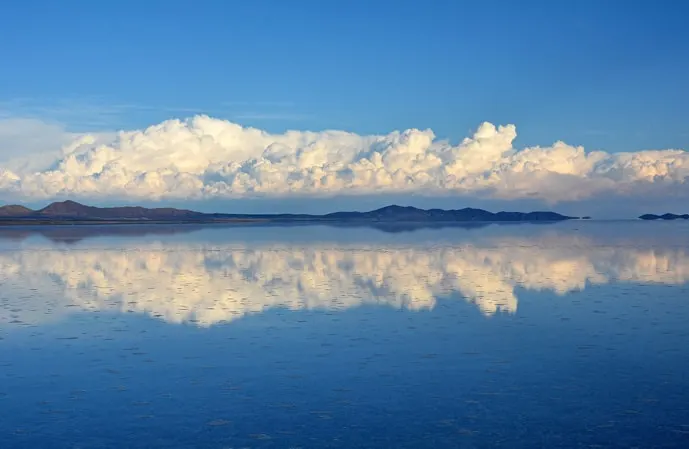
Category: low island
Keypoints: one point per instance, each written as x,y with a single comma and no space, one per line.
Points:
71,212
664,217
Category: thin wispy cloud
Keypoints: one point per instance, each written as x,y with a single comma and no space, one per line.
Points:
271,116
597,132
95,113
279,104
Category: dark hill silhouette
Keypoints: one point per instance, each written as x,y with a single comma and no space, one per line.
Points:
401,213
664,217
14,210
71,211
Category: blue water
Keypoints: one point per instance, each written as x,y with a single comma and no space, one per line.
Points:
521,336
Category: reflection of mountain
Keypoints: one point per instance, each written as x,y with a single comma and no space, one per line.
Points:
78,232
185,282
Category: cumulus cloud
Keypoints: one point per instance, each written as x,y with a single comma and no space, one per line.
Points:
202,158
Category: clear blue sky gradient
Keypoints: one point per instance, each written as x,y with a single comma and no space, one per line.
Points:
608,75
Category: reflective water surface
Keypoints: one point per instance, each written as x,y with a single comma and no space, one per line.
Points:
565,335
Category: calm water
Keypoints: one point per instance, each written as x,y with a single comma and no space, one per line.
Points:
517,336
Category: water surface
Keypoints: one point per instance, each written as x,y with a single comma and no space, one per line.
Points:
519,336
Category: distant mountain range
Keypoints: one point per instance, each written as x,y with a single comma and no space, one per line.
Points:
665,217
71,211
410,214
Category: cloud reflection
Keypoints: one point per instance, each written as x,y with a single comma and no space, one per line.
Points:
206,285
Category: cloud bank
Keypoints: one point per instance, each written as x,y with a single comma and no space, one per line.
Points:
205,158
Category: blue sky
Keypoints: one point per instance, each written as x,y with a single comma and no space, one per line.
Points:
608,75
603,74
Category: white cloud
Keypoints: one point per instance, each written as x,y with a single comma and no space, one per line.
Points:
203,158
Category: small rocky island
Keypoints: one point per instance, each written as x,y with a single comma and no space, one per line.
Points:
71,212
664,217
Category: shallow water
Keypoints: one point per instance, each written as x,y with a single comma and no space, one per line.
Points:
519,336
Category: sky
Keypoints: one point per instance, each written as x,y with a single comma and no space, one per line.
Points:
314,106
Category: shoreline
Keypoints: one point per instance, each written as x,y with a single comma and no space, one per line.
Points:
239,221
